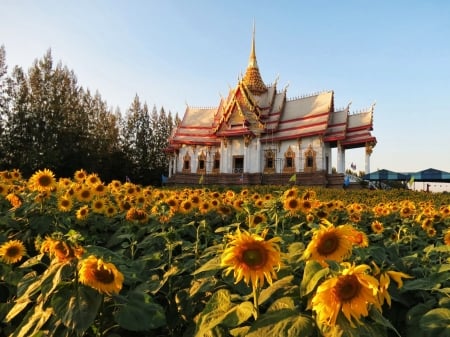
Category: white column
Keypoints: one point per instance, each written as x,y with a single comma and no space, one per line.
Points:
340,159
367,162
246,158
369,149
170,166
258,155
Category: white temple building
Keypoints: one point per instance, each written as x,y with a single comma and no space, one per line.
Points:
258,135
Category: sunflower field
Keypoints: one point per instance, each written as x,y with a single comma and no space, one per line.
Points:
82,257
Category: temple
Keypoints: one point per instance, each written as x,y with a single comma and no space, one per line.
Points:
257,135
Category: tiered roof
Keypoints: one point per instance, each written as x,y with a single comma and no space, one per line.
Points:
255,109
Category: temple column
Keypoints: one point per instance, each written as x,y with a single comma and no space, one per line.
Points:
340,158
247,141
170,166
258,155
369,149
223,156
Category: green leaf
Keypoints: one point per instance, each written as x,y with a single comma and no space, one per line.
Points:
436,322
285,322
77,308
140,313
278,286
212,265
313,273
214,312
34,320
282,303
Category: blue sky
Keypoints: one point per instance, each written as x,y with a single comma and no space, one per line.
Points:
394,53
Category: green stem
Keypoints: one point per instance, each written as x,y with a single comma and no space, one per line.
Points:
256,301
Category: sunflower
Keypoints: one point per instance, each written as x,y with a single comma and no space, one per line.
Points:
14,200
204,207
252,258
110,210
331,243
61,250
80,175
98,205
377,227
256,219
186,206
84,194
65,203
83,212
291,204
137,214
92,179
102,276
447,238
352,293
12,251
42,181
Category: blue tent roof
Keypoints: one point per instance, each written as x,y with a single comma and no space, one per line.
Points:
386,175
431,175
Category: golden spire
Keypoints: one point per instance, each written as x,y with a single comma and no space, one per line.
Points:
252,78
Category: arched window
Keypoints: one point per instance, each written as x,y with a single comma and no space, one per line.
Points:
201,166
269,161
289,161
310,160
216,164
187,163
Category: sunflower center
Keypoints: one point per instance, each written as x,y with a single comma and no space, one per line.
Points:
13,251
347,288
45,180
254,257
104,276
328,244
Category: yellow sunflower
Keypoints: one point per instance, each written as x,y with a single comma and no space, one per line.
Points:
61,250
256,219
331,243
12,251
292,205
82,213
42,181
80,175
14,200
377,227
252,258
85,194
65,203
447,238
100,275
352,292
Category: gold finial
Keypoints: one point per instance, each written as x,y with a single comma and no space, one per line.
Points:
252,78
252,60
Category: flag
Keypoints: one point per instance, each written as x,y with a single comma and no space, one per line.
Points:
293,179
411,181
200,181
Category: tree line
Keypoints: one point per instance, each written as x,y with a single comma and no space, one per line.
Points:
48,120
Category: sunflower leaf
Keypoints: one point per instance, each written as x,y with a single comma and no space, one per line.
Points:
140,313
77,308
313,273
436,322
284,322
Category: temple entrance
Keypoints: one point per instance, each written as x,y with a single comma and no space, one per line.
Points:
238,164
